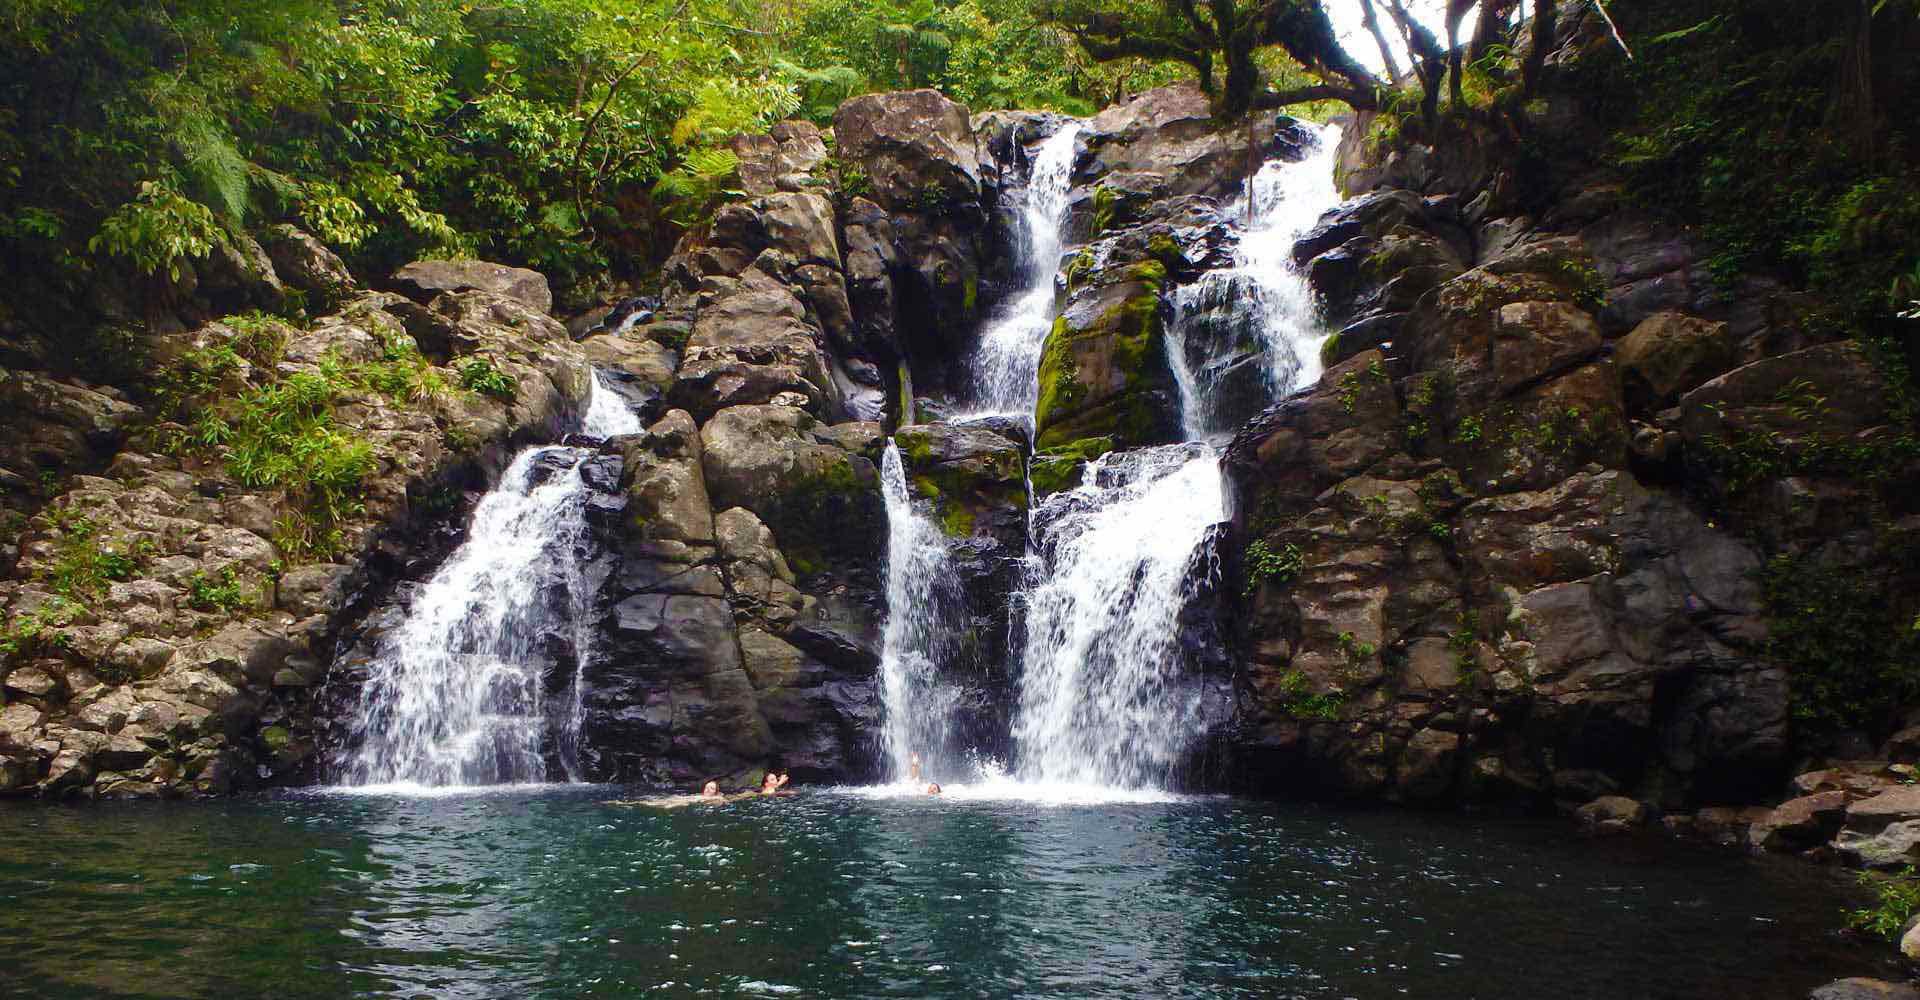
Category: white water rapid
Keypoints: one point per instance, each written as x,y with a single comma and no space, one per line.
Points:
457,694
1007,364
1105,697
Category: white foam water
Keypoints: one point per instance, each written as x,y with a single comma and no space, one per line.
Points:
1006,364
921,599
1105,695
1262,297
457,694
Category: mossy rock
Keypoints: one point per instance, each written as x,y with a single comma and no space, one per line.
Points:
1104,371
1060,469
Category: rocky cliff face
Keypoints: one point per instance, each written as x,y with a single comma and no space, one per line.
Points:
1521,541
171,613
1524,540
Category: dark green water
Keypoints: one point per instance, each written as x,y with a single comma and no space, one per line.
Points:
556,893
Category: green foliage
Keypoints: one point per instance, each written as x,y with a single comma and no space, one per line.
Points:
1350,383
1265,565
38,632
479,375
1851,653
1300,700
1735,120
1896,900
84,562
224,592
159,229
282,436
1352,649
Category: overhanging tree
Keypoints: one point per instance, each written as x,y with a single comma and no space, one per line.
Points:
1219,39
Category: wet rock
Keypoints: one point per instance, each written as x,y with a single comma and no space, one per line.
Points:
1670,353
1103,370
791,147
821,500
1800,823
1611,814
916,147
1882,831
1864,989
750,344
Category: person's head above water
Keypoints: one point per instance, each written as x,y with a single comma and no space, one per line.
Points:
772,782
710,790
933,788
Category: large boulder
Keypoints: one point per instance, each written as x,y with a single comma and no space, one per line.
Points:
751,344
306,264
784,156
1103,369
425,280
814,485
916,148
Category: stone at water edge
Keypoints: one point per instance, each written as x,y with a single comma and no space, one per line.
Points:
1910,939
1884,830
1858,988
1799,823
1611,814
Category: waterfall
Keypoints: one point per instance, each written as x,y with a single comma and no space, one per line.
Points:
1007,363
922,598
1259,311
1102,700
1104,695
457,694
608,416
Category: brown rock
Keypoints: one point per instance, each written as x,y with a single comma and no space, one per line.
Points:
425,280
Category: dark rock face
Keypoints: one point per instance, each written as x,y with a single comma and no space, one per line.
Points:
1496,552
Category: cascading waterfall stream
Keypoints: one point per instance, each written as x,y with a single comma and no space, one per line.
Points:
1261,299
1101,697
457,694
1006,366
1104,696
921,597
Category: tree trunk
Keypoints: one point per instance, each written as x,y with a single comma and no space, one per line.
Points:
1379,38
1546,25
1850,111
1456,12
1492,27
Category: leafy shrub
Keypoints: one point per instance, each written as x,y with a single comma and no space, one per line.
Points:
479,375
1265,565
159,229
1897,898
224,592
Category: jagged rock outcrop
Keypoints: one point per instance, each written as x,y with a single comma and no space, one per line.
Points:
174,608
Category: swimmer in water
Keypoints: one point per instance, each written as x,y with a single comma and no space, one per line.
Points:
933,788
913,768
772,783
710,790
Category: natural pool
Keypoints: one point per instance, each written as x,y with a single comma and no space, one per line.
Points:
555,892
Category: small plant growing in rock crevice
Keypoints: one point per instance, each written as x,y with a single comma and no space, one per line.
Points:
1897,899
479,375
223,593
1265,565
1300,700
